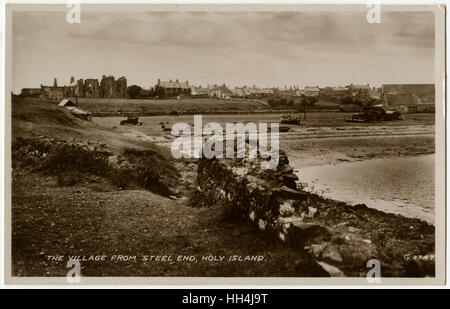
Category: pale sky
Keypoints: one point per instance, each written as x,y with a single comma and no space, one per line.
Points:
269,49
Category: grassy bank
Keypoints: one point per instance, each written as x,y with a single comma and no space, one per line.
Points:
71,162
111,107
48,139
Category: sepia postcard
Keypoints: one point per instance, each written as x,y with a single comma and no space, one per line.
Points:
224,144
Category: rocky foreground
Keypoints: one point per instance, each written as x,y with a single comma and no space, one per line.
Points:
87,214
338,237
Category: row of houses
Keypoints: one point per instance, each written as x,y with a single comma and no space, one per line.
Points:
404,98
398,97
176,88
362,91
409,98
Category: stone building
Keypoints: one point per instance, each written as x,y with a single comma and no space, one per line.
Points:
91,88
199,91
121,87
359,92
88,88
408,98
57,92
311,91
335,93
80,88
172,89
108,86
287,92
375,93
30,92
221,92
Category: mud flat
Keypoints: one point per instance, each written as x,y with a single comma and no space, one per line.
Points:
335,150
397,185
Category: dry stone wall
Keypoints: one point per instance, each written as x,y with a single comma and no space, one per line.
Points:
268,198
340,238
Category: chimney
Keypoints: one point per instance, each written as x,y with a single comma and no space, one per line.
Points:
177,80
187,82
170,80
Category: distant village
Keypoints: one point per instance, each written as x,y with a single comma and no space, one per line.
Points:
404,98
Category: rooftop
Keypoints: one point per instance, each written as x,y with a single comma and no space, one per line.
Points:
173,84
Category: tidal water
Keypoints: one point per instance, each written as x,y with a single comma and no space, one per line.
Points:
404,186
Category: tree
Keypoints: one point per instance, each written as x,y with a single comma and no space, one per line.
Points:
134,91
347,100
146,93
308,101
311,101
274,101
302,107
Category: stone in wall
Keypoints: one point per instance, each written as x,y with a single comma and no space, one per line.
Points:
80,88
91,88
269,198
52,93
30,92
111,88
121,87
57,93
107,85
69,91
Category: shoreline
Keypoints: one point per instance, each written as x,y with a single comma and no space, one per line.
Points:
327,187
